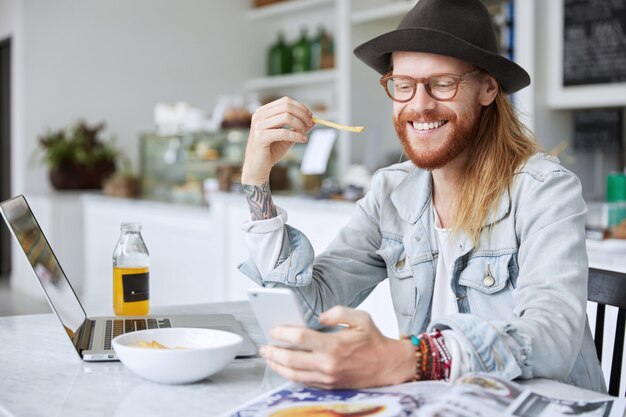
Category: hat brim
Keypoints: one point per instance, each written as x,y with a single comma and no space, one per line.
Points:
377,54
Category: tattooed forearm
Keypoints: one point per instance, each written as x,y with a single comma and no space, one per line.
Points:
260,201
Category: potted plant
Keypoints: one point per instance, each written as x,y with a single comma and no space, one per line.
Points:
77,157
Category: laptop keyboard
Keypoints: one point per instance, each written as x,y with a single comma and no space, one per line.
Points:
117,327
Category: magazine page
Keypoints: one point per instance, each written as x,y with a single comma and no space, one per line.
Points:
474,395
536,405
485,395
294,400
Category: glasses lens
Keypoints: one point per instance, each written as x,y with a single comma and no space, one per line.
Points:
442,86
400,89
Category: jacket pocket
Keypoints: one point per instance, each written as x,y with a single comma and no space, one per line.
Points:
489,280
398,265
404,293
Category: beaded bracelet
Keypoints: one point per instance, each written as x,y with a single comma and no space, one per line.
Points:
433,360
415,341
445,354
427,363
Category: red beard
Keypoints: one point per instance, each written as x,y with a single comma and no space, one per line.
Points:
433,156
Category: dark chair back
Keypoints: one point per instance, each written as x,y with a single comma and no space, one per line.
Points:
608,288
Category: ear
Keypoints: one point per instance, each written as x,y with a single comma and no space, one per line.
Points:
488,90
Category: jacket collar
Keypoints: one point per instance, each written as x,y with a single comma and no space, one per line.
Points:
412,196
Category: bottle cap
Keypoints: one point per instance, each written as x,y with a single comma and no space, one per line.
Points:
131,227
616,187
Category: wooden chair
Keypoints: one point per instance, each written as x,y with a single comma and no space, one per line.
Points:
608,288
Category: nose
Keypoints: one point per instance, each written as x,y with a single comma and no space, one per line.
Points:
422,101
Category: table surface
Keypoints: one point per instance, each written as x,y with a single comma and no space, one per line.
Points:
41,375
607,254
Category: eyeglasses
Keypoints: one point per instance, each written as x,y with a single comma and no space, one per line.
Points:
441,87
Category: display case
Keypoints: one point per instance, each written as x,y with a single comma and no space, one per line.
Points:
186,168
183,168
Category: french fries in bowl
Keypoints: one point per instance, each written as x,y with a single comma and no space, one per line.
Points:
177,355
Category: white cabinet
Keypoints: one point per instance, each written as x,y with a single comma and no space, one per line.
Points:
185,244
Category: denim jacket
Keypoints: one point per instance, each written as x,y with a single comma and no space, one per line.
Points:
521,291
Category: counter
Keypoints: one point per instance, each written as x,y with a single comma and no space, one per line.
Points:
609,254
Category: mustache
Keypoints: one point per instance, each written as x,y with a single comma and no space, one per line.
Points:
410,116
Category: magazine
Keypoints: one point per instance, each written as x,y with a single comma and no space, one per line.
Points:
474,395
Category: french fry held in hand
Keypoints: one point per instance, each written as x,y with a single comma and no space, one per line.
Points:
334,125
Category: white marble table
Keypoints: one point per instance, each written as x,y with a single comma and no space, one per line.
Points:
41,375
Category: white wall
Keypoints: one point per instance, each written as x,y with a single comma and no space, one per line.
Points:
113,60
11,27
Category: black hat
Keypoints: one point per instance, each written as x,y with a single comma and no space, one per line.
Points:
458,28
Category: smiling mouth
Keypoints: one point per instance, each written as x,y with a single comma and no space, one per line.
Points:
424,127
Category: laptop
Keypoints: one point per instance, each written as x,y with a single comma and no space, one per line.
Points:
91,336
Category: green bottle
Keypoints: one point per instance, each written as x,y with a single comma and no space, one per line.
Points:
301,53
279,57
322,54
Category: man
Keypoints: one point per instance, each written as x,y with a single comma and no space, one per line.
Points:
480,235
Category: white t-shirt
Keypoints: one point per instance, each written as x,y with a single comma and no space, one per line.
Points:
444,301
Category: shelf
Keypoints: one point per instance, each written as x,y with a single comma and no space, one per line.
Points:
291,80
397,9
284,8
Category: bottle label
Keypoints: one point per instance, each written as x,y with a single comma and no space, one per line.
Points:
136,287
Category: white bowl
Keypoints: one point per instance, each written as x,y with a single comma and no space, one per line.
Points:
205,352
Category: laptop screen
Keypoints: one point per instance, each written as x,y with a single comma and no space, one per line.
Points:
60,293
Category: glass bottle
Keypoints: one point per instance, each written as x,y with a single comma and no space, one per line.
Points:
131,273
328,51
279,59
301,53
322,50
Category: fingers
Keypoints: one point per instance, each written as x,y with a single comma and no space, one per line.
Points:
308,377
296,115
275,127
302,337
277,135
290,358
345,315
280,120
310,368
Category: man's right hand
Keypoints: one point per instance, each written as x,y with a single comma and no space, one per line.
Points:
275,127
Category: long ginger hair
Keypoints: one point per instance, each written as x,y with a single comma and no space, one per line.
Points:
503,143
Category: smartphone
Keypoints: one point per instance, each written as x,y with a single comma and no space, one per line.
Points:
276,307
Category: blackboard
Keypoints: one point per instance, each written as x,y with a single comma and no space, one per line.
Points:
594,41
598,129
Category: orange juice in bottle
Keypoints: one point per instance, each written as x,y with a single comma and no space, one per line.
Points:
131,273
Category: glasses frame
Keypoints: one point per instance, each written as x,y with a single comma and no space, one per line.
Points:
416,81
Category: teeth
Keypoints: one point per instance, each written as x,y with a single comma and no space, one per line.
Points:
428,126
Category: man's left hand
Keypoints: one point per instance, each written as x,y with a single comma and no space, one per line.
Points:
357,357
